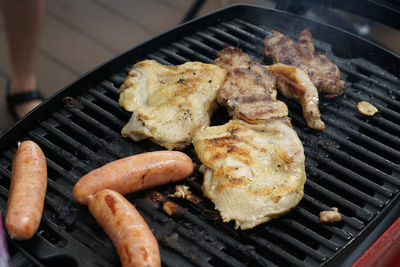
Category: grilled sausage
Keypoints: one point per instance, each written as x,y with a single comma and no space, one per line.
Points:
135,173
133,239
27,191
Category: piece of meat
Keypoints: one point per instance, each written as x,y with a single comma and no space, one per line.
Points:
323,73
249,91
294,83
253,172
169,103
330,216
27,191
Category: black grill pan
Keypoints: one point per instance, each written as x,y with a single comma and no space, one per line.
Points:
353,164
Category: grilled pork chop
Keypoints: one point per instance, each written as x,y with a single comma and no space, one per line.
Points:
249,91
169,103
323,73
254,172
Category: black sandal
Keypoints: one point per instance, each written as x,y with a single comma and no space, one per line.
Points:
20,98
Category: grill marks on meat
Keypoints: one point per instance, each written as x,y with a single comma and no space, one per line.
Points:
254,164
295,83
249,91
323,73
169,103
253,172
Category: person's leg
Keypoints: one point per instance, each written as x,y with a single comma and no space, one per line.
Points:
23,22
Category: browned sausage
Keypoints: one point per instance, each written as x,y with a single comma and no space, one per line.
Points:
135,173
27,191
129,232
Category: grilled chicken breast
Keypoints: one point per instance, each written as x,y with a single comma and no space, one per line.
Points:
254,172
323,73
249,91
169,103
295,83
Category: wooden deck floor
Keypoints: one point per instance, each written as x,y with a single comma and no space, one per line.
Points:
79,35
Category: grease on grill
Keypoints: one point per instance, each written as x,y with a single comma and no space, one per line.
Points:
154,197
366,108
71,102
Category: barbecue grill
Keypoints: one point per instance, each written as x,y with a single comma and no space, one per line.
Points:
353,164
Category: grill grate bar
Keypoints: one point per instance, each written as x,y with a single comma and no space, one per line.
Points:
84,151
110,102
177,58
218,254
364,139
365,167
360,150
235,41
383,110
348,188
296,243
116,122
62,190
3,192
117,79
84,134
200,46
101,128
303,213
187,50
261,31
345,69
352,221
250,254
361,213
361,63
159,59
69,177
208,37
353,176
381,120
214,248
109,86
377,94
59,152
293,261
236,28
308,232
376,131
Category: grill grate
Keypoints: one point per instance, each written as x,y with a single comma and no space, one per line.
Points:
352,165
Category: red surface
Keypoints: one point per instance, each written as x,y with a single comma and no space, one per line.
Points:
385,252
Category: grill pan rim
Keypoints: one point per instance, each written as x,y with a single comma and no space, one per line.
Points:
115,64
